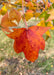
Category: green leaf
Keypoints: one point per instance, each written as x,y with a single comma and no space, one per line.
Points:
53,22
44,15
53,5
50,7
46,23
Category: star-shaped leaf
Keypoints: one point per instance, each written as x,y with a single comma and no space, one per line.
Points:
29,41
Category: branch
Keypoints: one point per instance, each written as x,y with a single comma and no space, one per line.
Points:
23,14
10,3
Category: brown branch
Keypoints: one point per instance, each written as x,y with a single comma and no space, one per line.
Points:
23,14
9,3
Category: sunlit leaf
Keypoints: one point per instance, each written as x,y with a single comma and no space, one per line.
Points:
44,15
3,10
29,41
28,14
6,23
15,15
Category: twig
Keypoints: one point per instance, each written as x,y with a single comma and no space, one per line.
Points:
9,3
23,14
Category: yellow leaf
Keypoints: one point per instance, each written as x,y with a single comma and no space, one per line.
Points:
52,1
50,25
48,33
36,14
3,10
52,28
42,23
28,14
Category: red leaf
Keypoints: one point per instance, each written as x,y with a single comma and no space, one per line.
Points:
29,41
39,30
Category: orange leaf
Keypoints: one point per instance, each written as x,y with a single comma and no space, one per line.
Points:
6,23
8,18
14,15
29,4
29,41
